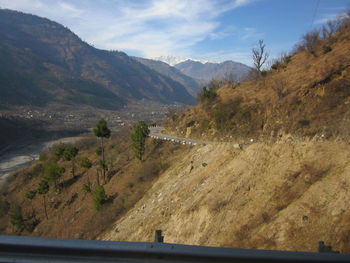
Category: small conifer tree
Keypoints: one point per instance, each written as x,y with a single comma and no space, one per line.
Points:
139,134
99,196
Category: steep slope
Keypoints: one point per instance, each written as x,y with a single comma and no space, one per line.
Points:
41,61
305,95
289,190
70,204
281,196
191,85
208,71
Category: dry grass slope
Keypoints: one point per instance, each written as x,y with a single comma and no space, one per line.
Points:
306,97
279,196
70,209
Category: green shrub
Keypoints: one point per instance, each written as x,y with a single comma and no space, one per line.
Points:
42,157
122,202
30,194
276,65
16,218
99,196
98,151
287,59
85,163
59,150
327,49
53,172
207,95
69,153
86,188
281,62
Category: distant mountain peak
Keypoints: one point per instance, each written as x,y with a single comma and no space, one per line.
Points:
173,60
207,71
191,85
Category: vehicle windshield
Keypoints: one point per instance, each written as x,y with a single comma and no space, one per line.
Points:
210,123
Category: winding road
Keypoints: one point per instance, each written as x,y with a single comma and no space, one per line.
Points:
156,133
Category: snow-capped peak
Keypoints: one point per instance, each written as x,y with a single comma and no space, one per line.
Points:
173,60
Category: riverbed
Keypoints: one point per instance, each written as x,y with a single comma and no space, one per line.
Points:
22,156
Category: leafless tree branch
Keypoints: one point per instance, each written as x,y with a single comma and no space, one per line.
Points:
259,55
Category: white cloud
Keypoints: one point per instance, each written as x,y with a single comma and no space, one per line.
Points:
250,33
151,28
329,17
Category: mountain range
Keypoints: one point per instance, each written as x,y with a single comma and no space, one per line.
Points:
43,62
171,60
204,72
194,74
191,85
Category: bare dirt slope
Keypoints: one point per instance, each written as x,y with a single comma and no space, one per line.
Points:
280,196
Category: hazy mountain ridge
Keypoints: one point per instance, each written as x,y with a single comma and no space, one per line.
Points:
191,85
208,71
41,61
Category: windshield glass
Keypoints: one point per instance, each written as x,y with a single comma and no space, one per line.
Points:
211,123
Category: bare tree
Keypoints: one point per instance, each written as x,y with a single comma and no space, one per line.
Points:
259,55
331,27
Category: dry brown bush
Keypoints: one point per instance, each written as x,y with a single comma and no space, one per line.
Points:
310,41
278,86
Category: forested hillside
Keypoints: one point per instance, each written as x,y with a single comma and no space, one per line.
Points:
43,62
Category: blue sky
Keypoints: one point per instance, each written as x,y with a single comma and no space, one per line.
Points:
214,30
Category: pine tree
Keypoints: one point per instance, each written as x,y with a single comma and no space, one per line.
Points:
69,154
99,196
53,172
43,189
101,131
139,134
31,195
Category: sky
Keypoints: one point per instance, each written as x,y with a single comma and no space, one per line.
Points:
208,30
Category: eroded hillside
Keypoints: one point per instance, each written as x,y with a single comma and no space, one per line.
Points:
279,196
43,63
